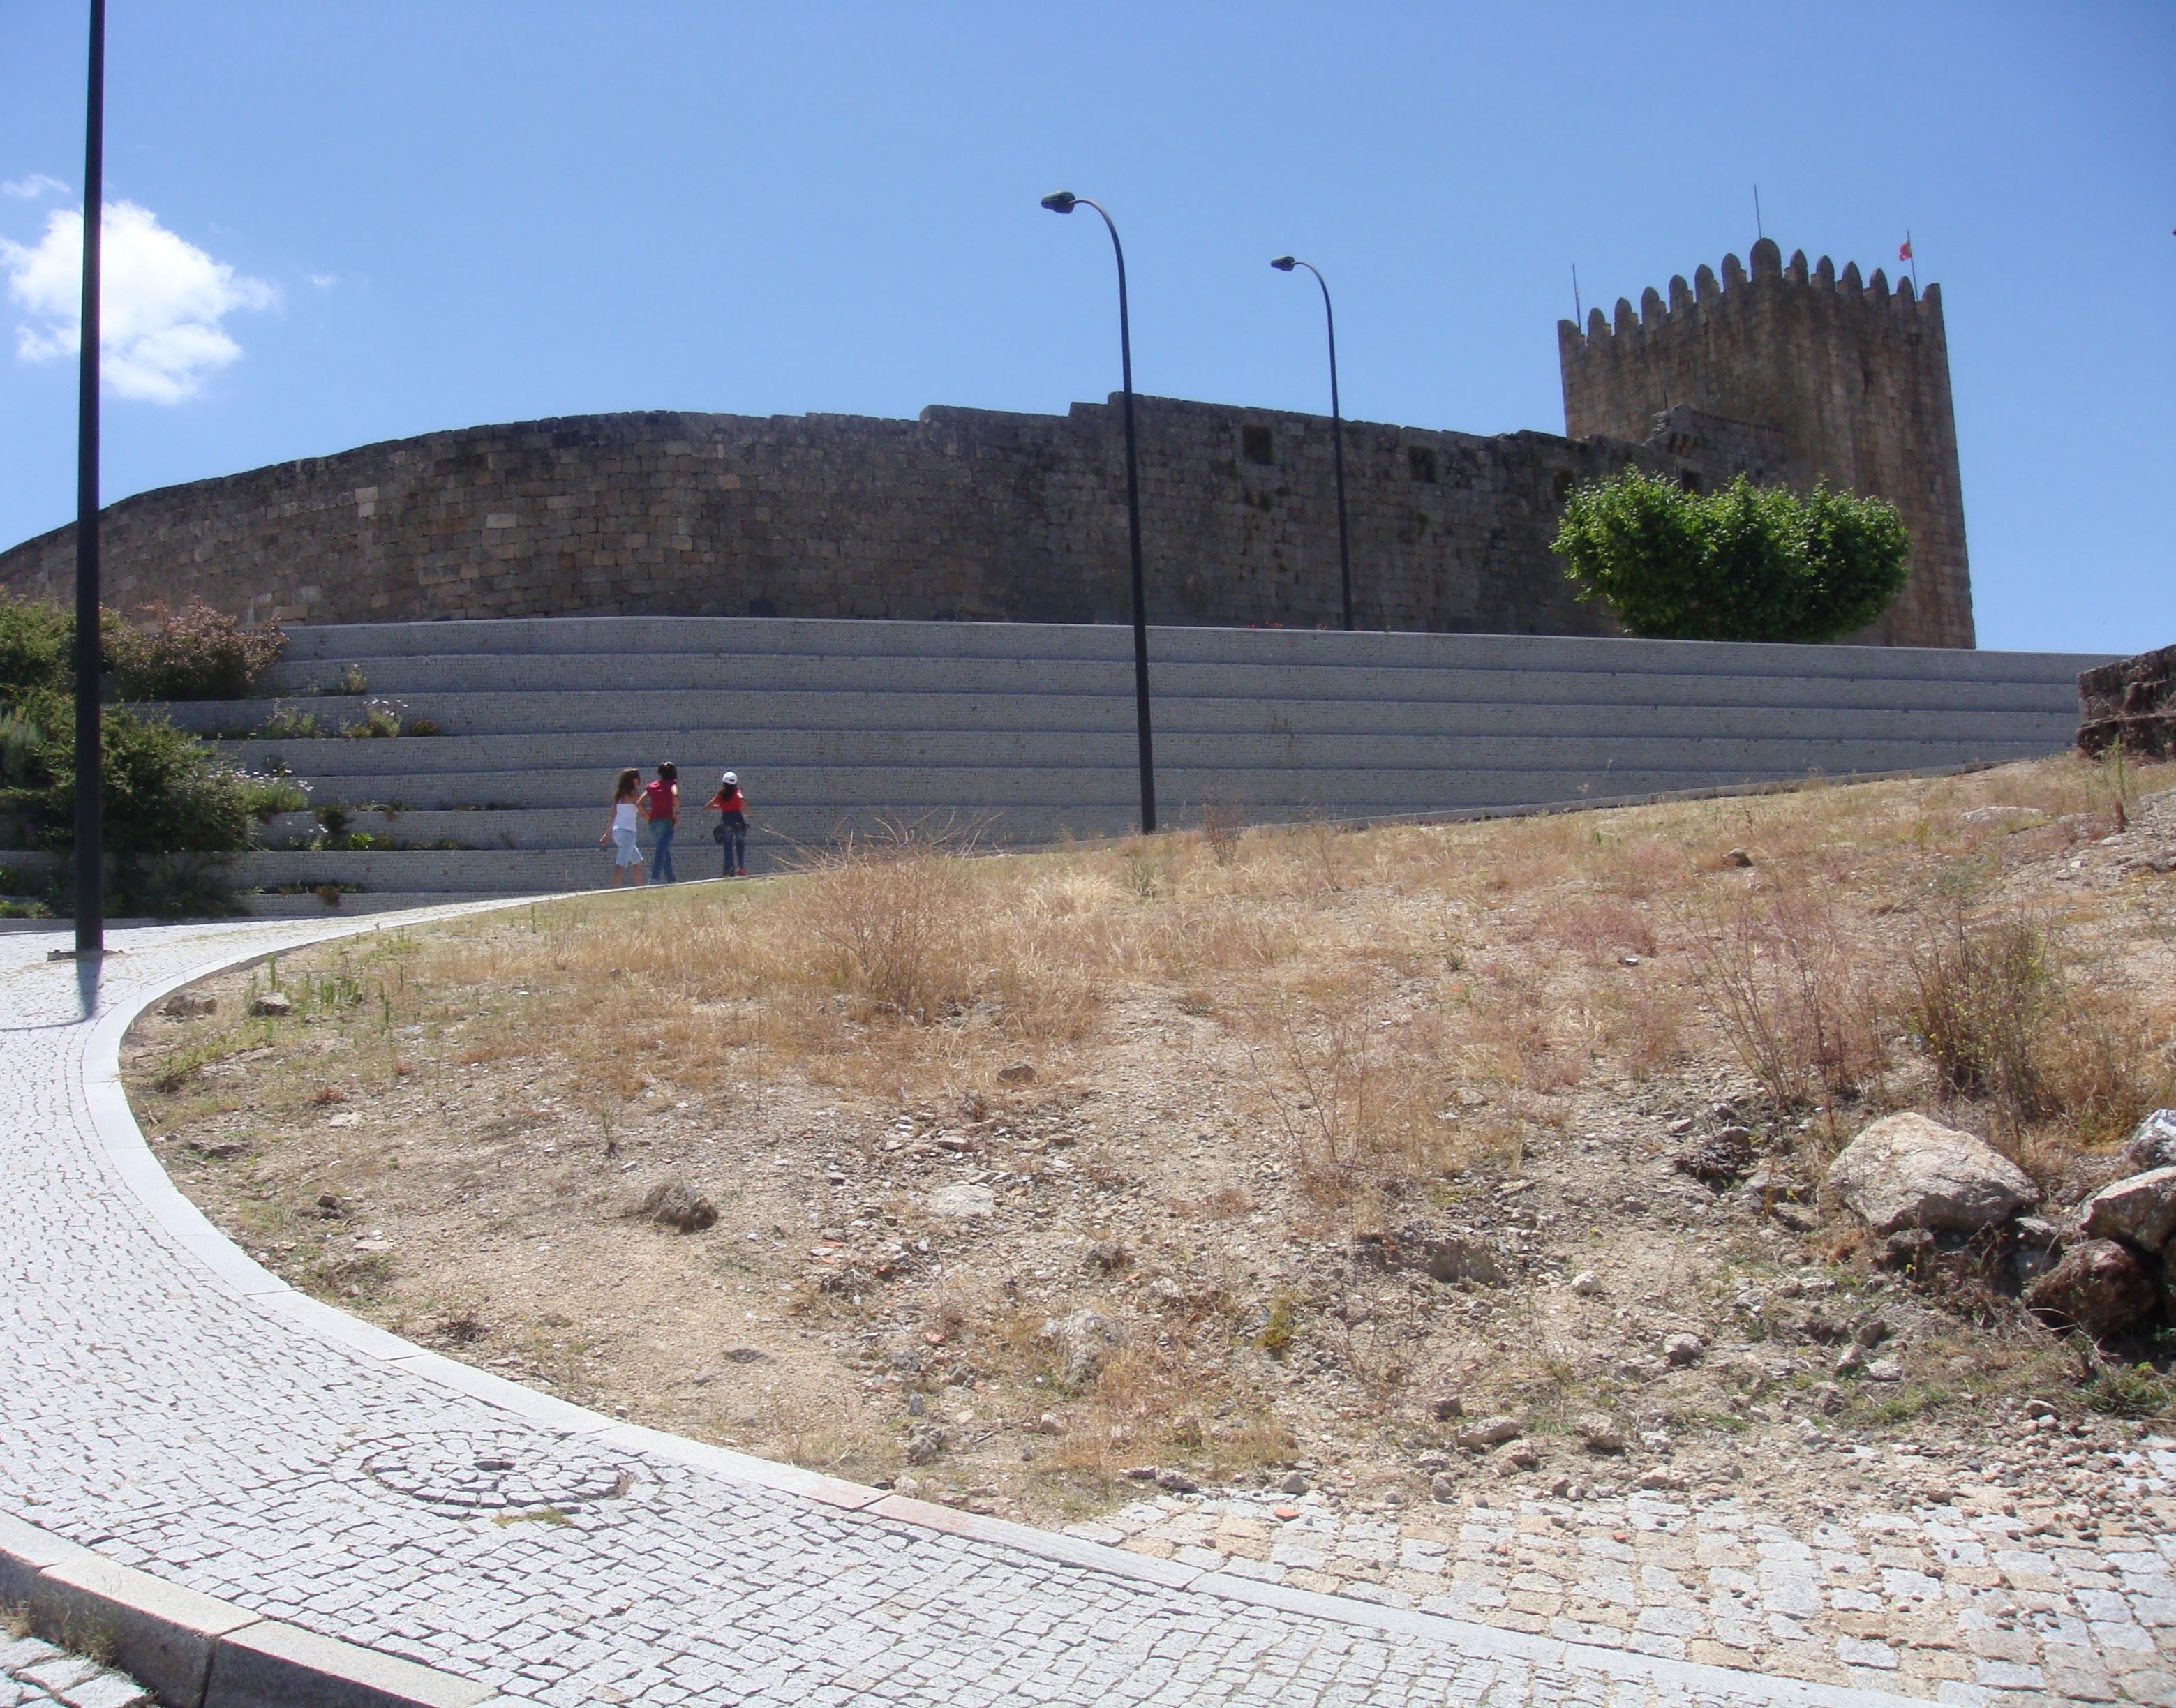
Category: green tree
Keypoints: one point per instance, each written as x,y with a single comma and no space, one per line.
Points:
1746,562
167,793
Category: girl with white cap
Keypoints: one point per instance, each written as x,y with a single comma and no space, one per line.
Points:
732,807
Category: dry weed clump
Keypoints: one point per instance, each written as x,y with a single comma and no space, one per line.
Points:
1797,1000
1220,824
1359,1096
1601,929
897,918
2005,1020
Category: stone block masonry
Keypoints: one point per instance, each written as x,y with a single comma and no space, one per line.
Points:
964,514
1795,375
2132,703
979,514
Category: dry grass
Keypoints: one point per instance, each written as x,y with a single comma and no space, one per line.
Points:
2005,1021
1244,1044
1799,998
1371,975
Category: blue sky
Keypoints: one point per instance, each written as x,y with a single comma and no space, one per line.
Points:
360,222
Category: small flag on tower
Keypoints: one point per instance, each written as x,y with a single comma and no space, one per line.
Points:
1904,251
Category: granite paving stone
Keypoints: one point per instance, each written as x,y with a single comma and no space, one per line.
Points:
151,1411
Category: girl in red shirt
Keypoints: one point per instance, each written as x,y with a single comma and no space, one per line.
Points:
661,802
732,807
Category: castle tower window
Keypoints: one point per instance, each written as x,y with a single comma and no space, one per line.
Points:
1257,444
1420,460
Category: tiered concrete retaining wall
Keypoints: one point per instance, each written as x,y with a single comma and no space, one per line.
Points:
1026,732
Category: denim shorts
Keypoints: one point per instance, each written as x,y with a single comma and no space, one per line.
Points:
626,851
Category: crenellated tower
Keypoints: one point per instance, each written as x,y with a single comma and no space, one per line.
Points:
1794,374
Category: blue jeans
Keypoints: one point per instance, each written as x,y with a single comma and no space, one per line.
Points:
734,842
661,852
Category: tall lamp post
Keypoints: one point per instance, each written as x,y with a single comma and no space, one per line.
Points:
1285,264
89,759
1064,202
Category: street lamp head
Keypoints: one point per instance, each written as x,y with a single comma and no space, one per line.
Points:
1060,201
1284,264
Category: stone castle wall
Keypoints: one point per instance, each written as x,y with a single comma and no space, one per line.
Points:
976,514
1853,379
962,513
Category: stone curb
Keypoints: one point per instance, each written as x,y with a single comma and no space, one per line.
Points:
158,1630
192,1651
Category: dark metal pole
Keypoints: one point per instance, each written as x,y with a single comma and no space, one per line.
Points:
1063,202
1337,439
1285,264
89,758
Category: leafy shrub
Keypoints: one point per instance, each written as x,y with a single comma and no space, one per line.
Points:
174,886
380,719
195,654
25,893
165,792
287,725
1746,562
152,886
37,638
422,726
268,795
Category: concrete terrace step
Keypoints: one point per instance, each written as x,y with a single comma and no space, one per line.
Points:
1876,710
1102,804
1285,682
756,637
1023,733
1107,797
774,756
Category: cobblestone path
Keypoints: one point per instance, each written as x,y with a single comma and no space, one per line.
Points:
167,1403
1941,1601
34,1674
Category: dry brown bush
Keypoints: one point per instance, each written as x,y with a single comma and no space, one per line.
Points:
1645,1028
1601,929
1358,1095
2004,1019
898,921
1220,823
1797,1001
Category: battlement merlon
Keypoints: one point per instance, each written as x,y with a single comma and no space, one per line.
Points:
1689,304
1854,375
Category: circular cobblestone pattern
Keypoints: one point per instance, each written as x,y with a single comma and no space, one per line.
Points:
493,1471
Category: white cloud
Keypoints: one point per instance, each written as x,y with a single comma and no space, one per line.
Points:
30,189
324,281
160,308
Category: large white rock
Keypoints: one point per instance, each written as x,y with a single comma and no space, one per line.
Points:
2153,1145
1906,1171
1086,1339
964,1202
2139,1210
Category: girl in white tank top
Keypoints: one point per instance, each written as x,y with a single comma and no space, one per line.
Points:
626,816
